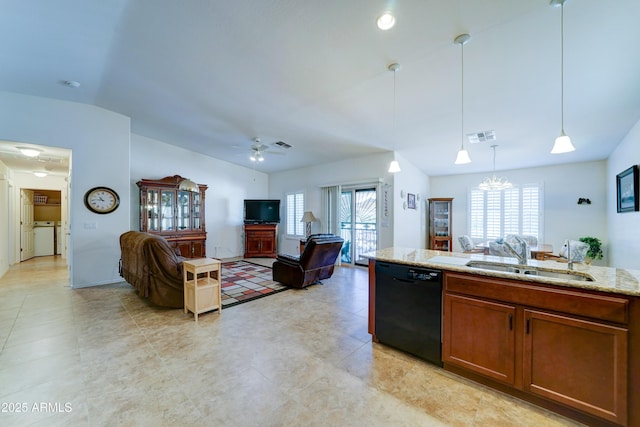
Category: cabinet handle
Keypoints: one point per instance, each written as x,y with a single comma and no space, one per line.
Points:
511,322
528,325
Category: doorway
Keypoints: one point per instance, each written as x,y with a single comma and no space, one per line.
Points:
358,216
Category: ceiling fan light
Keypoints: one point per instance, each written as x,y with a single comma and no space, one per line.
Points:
563,144
386,21
463,157
394,167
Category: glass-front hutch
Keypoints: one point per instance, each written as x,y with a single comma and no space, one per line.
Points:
175,214
440,224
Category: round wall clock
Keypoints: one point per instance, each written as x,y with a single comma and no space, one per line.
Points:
101,200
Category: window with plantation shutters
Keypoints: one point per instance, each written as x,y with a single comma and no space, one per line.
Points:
498,213
295,210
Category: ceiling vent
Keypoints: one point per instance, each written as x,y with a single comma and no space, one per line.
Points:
484,136
283,145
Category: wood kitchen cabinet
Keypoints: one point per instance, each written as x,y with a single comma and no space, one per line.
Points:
565,347
481,336
174,214
260,240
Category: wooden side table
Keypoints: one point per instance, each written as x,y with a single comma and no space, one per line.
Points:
202,294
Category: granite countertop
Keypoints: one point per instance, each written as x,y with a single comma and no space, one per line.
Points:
605,279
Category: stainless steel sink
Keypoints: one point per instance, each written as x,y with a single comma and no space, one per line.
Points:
531,271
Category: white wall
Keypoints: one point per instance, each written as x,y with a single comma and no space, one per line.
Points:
563,186
352,171
624,228
410,225
228,185
99,140
4,218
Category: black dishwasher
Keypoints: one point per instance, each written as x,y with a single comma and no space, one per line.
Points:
409,309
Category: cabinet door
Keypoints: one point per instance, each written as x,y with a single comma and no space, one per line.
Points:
579,363
480,336
252,244
185,249
268,243
168,210
198,249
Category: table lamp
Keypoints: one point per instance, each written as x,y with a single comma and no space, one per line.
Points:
308,218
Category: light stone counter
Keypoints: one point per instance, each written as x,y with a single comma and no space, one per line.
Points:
605,279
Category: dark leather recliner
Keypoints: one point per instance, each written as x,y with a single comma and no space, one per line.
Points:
314,264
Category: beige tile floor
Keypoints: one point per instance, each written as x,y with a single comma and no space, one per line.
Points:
103,357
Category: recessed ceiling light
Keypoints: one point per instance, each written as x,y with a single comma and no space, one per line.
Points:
30,152
40,174
386,21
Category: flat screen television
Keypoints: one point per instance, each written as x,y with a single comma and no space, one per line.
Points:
261,211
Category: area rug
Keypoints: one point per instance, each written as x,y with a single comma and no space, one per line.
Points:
243,282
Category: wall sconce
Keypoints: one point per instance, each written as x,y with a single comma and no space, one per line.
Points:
583,200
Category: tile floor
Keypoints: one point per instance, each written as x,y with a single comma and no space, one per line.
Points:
103,357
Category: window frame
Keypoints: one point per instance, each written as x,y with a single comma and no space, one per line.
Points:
299,229
483,225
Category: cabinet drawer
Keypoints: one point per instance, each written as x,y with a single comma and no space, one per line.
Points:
607,308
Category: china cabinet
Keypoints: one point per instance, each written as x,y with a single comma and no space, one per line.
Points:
440,224
175,214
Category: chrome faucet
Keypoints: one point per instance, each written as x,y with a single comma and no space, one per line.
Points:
570,261
522,255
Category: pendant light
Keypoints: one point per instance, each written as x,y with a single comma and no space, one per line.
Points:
463,155
495,183
394,167
563,142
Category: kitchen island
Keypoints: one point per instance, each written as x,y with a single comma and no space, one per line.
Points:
565,340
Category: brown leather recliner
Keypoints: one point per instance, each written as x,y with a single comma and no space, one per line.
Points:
150,265
314,264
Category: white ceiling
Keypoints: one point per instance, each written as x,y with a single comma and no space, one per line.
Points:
212,75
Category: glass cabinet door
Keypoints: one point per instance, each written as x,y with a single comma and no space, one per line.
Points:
153,209
184,214
441,219
168,211
196,211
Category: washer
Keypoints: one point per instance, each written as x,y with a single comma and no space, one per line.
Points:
43,237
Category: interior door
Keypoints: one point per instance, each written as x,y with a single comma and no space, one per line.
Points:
27,247
358,224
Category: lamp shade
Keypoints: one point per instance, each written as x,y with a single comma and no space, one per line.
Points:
308,217
563,144
188,185
394,167
463,157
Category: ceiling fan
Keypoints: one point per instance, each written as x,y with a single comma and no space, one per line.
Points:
256,151
258,148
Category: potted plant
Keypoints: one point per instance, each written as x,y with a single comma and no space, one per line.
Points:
595,248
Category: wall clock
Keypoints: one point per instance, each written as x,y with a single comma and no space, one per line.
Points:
101,200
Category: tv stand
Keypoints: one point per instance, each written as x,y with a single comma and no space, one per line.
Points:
260,240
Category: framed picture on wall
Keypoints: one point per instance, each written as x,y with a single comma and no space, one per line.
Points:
411,201
627,190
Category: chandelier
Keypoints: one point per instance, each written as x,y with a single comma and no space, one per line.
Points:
495,183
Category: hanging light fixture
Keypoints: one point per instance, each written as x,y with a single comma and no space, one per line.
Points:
563,142
463,155
257,156
394,167
495,183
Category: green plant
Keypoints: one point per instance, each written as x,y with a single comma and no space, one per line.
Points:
595,247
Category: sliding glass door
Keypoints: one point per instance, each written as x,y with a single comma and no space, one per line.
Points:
358,216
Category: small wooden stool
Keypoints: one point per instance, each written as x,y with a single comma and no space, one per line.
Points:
202,293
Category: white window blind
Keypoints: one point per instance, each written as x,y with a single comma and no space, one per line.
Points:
295,210
497,213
